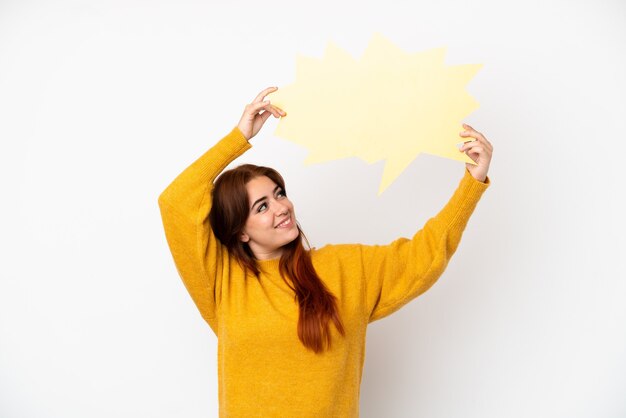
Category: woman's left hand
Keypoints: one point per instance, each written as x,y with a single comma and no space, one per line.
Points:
479,150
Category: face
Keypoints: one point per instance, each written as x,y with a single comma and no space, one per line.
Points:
271,220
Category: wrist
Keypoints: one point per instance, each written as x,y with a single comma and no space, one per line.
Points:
243,133
476,176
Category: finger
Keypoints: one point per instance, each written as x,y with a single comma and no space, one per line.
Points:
264,109
479,154
474,147
468,146
264,93
470,129
479,148
271,111
476,150
472,134
276,111
473,156
281,111
476,156
266,114
476,135
254,108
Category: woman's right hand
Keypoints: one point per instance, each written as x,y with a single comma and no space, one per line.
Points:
252,120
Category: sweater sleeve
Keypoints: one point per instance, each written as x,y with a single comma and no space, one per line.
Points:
185,205
404,269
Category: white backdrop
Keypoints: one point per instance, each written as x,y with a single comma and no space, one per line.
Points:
103,103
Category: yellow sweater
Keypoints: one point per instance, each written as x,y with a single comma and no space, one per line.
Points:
263,368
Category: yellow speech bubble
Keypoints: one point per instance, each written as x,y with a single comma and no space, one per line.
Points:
388,105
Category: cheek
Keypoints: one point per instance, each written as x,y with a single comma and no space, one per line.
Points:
262,222
268,222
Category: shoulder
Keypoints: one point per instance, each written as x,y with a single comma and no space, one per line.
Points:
332,250
337,256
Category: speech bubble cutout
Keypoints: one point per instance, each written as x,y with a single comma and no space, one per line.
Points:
388,105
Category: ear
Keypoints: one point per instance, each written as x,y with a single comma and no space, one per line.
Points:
243,237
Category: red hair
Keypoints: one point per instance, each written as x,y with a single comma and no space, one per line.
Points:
229,212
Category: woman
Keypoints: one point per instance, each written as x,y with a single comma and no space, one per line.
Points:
291,322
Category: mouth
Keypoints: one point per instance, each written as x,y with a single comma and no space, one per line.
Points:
286,223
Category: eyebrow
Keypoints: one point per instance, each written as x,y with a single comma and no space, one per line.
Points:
263,198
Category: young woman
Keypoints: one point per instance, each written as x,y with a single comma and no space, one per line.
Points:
291,321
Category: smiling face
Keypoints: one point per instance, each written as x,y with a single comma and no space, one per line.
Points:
271,221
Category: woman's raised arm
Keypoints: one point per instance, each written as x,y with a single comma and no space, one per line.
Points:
185,205
399,272
396,273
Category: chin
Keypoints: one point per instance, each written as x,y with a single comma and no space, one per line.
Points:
295,236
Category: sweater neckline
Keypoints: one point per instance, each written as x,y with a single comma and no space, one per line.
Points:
274,263
269,264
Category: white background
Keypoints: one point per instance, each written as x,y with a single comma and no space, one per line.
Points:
102,104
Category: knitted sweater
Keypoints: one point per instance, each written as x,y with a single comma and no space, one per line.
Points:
264,370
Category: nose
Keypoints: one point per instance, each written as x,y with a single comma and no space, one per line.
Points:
280,209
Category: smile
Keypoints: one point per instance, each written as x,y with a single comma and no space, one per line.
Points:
287,223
